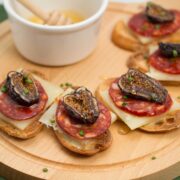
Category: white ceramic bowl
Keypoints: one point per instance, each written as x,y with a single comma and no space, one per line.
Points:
56,45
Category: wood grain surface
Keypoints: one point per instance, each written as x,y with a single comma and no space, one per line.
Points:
130,156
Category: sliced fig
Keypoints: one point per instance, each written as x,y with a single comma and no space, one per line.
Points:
82,106
169,50
138,85
22,88
157,14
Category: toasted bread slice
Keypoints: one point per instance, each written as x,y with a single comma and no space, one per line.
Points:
139,60
32,130
148,124
123,37
85,147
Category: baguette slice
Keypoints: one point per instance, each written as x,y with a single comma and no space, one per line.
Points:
25,129
85,147
124,38
162,123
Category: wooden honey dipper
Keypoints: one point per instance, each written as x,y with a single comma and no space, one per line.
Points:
53,18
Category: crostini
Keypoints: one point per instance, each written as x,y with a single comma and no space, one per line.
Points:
161,62
140,102
24,97
80,122
154,24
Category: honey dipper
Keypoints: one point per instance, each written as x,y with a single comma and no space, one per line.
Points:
53,18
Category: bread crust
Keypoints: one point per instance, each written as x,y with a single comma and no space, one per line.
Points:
125,39
32,130
137,61
90,147
169,123
128,42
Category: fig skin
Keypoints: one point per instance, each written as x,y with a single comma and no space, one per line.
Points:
157,14
82,106
138,85
15,89
169,50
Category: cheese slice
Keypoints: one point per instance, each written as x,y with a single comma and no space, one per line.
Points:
52,91
162,76
49,119
133,121
152,49
144,40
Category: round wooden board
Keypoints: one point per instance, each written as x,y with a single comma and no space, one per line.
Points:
130,156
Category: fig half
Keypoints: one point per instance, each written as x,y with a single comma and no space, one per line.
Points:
82,106
138,85
22,88
157,14
169,50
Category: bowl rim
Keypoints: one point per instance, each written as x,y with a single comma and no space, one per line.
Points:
71,27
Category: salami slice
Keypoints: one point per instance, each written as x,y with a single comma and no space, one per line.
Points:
137,107
163,64
83,131
13,110
142,26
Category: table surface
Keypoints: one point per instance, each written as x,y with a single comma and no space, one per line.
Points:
167,174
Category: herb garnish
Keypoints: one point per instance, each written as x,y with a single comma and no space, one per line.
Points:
52,121
65,85
124,104
157,26
27,80
125,97
144,27
175,53
130,79
153,158
4,89
45,170
146,56
26,91
81,133
149,3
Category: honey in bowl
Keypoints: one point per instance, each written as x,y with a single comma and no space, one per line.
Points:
74,16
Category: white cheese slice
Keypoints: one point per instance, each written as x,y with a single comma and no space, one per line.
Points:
152,49
18,124
133,121
52,91
161,76
143,39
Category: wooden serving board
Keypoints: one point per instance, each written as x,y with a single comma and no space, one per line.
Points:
130,156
